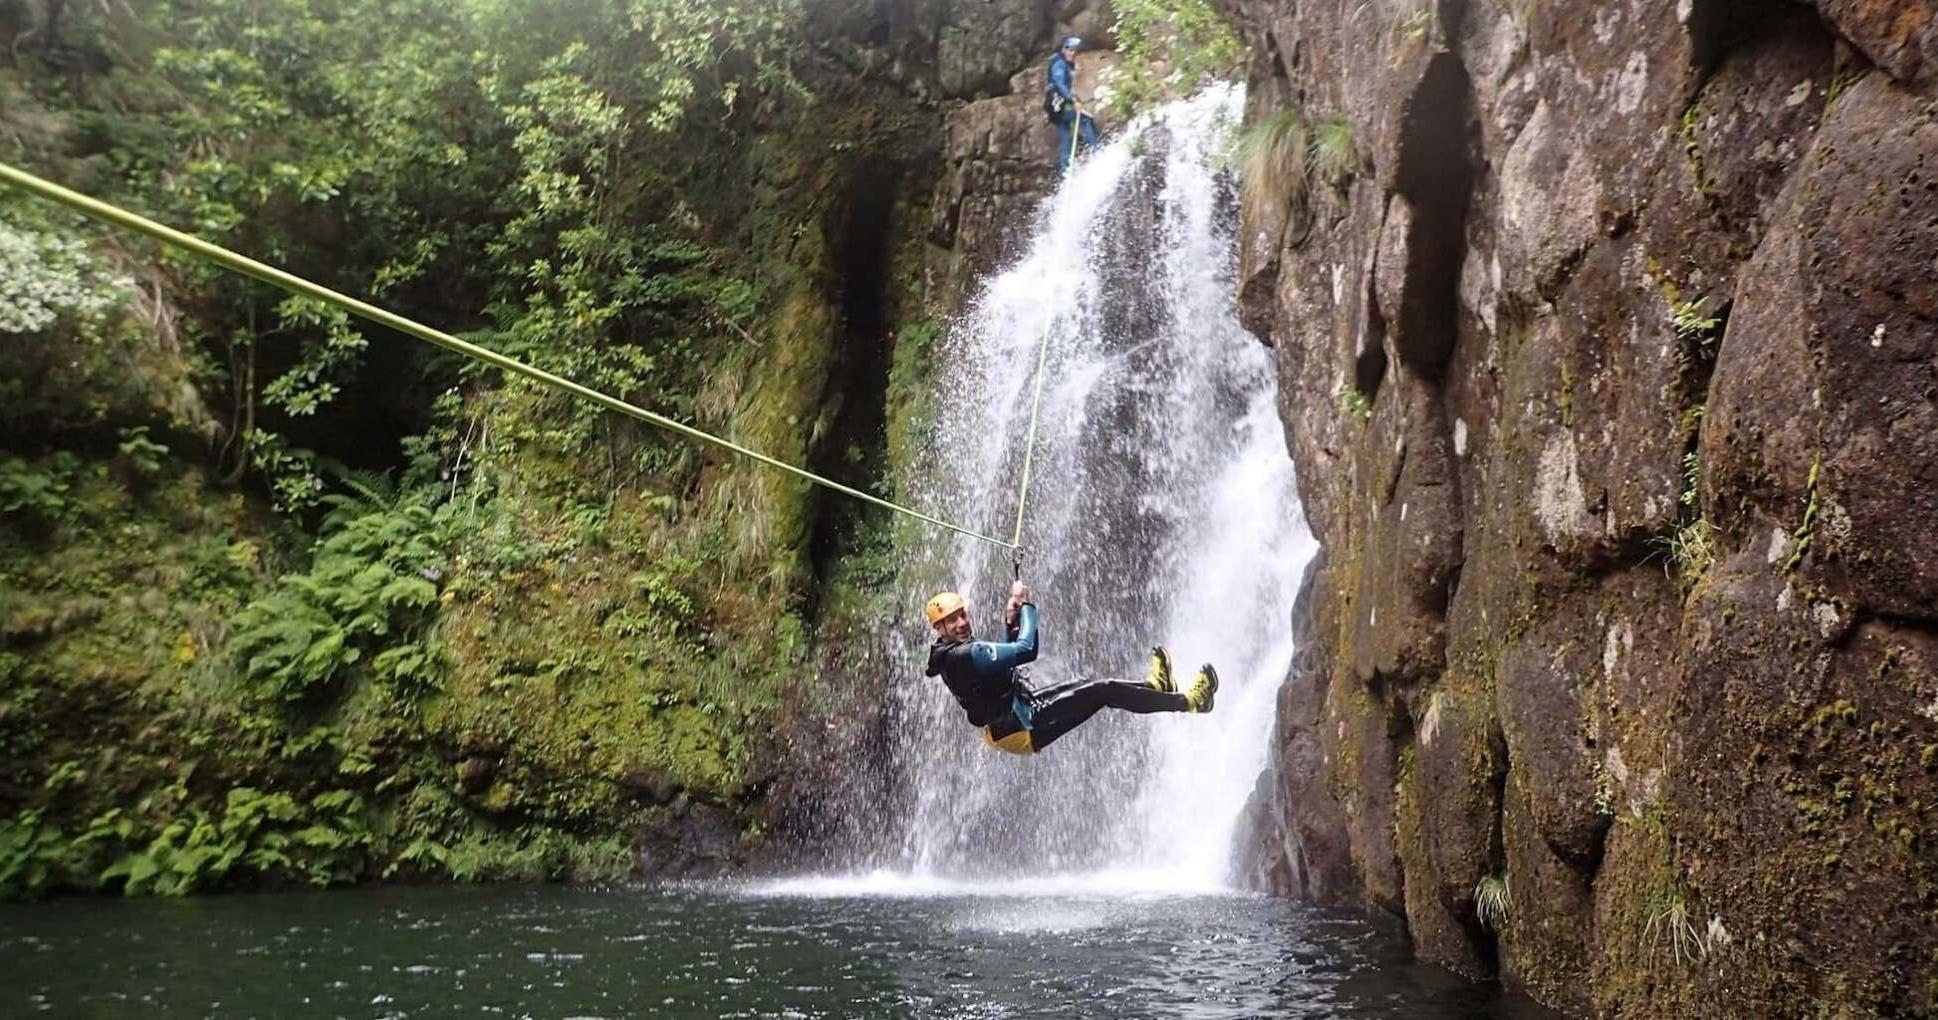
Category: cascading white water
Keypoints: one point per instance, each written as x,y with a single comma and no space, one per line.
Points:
1163,511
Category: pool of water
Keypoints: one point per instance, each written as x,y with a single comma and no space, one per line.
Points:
862,947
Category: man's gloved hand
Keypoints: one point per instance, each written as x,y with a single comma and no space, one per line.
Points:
1019,593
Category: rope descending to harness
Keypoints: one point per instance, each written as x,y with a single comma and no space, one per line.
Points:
117,216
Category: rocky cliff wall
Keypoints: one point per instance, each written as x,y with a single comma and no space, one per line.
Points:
1608,341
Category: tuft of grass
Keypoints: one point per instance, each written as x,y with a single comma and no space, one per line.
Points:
1272,159
1671,920
1491,902
1334,150
1691,548
1839,84
1410,32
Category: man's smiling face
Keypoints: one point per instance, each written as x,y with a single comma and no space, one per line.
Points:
955,626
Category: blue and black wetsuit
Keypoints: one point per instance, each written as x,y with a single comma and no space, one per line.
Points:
1062,98
982,676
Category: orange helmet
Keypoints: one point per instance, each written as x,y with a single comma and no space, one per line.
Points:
943,605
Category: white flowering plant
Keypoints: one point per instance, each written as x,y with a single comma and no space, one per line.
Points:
45,276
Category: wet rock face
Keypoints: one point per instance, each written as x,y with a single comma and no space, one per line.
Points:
686,841
1610,367
997,167
1293,839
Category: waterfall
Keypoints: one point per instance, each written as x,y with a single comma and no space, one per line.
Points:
1163,510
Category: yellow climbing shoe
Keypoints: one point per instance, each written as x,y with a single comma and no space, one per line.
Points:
1160,678
1203,689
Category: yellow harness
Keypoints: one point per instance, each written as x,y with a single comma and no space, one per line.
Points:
1015,743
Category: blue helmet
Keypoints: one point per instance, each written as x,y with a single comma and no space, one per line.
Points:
1070,42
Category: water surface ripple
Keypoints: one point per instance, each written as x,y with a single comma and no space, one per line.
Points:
789,950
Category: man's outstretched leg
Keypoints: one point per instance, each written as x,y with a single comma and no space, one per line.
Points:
1066,707
1158,679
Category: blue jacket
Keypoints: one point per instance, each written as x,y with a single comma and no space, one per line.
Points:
982,674
1062,77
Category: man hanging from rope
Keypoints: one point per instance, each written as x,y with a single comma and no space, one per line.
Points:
983,677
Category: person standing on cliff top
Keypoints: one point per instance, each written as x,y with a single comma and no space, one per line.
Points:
984,679
1061,106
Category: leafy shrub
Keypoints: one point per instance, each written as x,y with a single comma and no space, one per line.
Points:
31,854
256,832
543,854
34,491
318,377
362,607
36,855
143,454
44,278
1189,39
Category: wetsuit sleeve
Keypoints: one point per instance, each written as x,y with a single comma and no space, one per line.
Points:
1060,80
991,658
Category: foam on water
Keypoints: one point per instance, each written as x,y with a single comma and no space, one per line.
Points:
1107,883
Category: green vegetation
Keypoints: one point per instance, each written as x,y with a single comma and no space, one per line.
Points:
1271,157
1690,548
1334,151
45,278
1281,156
1842,83
1690,545
285,598
1170,47
1691,325
358,615
1806,532
1354,403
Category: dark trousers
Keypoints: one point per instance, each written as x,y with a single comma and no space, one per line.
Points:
1086,131
1063,708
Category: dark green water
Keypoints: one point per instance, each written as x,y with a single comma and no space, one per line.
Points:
557,952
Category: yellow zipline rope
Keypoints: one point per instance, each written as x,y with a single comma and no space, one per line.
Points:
297,285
